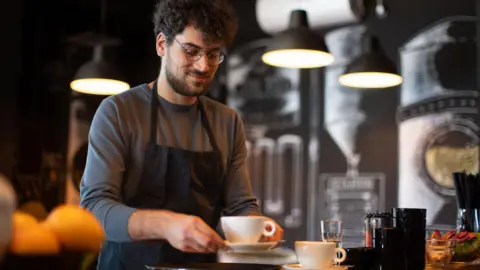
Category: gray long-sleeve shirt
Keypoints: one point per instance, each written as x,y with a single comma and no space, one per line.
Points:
117,142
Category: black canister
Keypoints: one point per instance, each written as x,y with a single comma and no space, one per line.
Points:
360,258
374,221
389,246
413,222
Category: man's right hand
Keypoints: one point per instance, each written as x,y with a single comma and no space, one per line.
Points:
184,232
191,234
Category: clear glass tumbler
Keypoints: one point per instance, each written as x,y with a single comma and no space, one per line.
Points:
332,231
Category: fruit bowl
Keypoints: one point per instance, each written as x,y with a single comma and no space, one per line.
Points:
439,252
63,260
466,247
70,237
468,251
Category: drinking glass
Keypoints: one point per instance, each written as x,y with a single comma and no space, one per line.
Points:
332,231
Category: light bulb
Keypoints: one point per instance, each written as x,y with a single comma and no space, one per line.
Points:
99,86
298,58
370,80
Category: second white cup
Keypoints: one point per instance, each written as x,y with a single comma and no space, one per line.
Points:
246,229
318,255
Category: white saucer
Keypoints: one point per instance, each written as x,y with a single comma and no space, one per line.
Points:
278,256
248,248
297,266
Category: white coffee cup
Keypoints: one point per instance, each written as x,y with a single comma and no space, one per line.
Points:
246,229
318,255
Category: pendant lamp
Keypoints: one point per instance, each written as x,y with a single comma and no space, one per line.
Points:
98,77
372,69
298,46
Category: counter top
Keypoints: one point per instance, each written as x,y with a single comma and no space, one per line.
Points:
454,266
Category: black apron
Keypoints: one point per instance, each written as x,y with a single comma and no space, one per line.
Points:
170,179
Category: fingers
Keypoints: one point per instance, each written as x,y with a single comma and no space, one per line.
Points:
189,246
279,233
274,238
198,237
200,242
196,242
206,243
189,250
217,241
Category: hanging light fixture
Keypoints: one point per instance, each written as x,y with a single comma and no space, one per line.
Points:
98,77
298,46
372,69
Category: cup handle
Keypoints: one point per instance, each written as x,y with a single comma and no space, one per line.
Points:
272,225
344,255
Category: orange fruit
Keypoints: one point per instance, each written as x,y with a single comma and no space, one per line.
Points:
34,208
23,220
76,228
33,240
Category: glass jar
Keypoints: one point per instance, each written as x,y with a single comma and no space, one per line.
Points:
374,221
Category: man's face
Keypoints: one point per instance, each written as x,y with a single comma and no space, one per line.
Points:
190,63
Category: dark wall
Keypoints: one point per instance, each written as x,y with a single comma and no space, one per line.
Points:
408,17
11,28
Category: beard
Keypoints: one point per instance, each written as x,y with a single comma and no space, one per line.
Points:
181,86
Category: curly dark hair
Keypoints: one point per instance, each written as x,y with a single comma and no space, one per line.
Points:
215,18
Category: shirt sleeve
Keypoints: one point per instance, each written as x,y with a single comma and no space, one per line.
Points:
100,188
239,196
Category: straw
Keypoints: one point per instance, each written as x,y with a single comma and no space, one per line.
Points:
468,183
475,203
467,188
458,182
471,201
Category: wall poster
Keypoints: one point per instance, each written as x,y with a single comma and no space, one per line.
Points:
269,102
438,133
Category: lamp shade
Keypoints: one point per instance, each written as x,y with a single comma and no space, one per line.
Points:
371,70
97,77
298,46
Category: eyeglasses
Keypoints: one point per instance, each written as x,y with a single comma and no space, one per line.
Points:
194,54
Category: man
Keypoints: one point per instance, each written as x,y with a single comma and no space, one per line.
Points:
163,160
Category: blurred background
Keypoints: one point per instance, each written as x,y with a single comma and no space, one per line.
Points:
343,151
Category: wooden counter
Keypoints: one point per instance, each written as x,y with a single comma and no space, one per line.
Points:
454,266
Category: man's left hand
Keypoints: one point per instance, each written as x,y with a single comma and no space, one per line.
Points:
276,237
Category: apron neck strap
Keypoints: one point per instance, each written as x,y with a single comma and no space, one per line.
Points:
153,114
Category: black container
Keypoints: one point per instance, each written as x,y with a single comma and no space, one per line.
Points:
409,217
373,221
65,260
414,223
360,258
468,219
390,249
